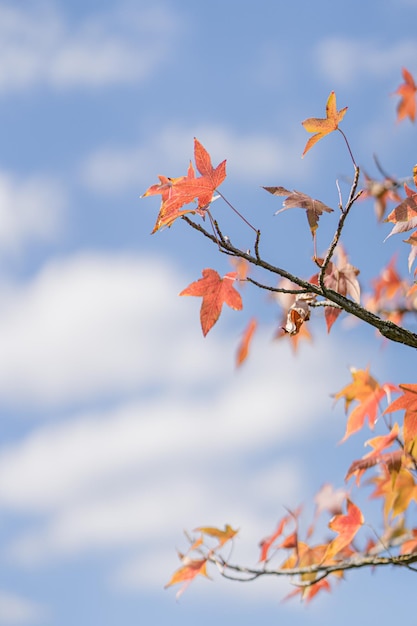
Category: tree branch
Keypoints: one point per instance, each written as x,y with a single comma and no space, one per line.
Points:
246,574
388,329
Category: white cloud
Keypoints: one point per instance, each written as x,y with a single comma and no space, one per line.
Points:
251,158
38,45
198,443
30,209
343,59
137,475
89,325
17,610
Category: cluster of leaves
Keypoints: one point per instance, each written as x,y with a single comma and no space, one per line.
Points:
391,464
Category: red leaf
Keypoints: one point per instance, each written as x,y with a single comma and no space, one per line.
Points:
187,573
215,292
267,543
408,402
346,526
243,349
203,163
407,90
176,192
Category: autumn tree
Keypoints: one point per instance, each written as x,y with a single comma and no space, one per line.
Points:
333,289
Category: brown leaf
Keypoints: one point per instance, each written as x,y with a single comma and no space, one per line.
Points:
297,199
404,216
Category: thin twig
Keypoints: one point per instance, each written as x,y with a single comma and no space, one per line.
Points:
387,328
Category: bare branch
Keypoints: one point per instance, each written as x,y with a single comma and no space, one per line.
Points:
387,328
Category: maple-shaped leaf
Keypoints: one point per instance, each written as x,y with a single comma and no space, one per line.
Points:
410,545
407,91
241,267
365,390
412,240
341,277
177,192
215,292
222,535
397,494
404,216
309,592
215,176
346,526
391,460
407,402
243,349
172,201
304,556
187,572
389,291
297,199
269,542
323,126
389,283
382,191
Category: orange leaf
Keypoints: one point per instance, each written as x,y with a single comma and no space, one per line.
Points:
222,535
187,573
243,349
340,277
323,127
346,526
410,546
215,292
365,390
397,494
267,543
176,192
308,593
408,402
391,460
407,90
215,176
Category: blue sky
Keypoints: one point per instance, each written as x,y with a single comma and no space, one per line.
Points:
120,425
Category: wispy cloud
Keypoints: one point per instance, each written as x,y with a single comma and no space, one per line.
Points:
251,157
90,324
31,209
193,433
16,610
40,46
342,59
